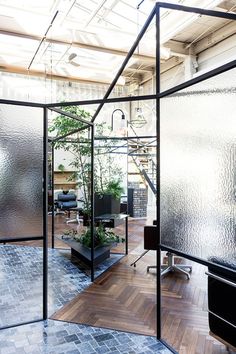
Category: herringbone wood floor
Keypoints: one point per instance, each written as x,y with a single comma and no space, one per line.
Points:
124,298
117,300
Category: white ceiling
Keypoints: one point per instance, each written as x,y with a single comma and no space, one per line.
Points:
88,39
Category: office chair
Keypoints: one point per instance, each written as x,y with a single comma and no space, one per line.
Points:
68,202
150,243
171,266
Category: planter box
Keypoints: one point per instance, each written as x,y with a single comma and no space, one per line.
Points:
103,204
84,253
106,204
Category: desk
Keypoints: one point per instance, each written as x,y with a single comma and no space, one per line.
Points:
113,220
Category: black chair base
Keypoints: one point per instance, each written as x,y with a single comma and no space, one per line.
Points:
143,254
172,267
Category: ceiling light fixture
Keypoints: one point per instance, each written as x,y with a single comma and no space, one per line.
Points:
139,120
71,60
72,56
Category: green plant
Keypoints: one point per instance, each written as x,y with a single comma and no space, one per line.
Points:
107,175
61,167
114,188
102,237
79,147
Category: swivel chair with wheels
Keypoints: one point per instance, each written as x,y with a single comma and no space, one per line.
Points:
171,266
150,243
68,202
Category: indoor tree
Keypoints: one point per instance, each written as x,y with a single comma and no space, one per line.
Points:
107,174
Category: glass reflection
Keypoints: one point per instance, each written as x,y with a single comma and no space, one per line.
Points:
21,165
198,168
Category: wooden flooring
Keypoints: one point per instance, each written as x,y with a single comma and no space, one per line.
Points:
124,298
116,300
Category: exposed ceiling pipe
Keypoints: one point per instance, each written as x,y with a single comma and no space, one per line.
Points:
95,12
42,40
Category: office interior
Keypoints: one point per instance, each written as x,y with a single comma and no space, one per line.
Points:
131,100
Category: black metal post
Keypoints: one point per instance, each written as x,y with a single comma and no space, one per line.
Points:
45,213
53,212
127,182
126,235
92,203
158,253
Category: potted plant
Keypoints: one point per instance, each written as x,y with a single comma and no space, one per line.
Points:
107,201
107,174
104,239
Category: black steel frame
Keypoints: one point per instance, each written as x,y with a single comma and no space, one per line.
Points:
88,125
44,236
157,97
52,141
166,93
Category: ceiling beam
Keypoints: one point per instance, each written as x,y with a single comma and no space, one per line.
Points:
177,48
49,76
141,70
228,5
143,58
170,63
215,37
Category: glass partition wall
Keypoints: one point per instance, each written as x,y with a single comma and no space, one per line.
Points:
94,165
72,192
198,168
197,202
195,167
23,176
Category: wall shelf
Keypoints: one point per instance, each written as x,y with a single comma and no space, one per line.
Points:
61,180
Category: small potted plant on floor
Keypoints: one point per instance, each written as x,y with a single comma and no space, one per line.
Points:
102,237
80,244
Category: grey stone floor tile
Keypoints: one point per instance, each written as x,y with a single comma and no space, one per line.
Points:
21,279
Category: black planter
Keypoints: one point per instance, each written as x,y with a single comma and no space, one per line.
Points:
84,253
106,204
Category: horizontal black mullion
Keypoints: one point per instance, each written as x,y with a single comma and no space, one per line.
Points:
22,103
193,258
220,70
70,133
197,10
20,239
102,100
21,324
70,115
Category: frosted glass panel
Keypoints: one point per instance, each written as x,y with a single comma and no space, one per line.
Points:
21,166
198,165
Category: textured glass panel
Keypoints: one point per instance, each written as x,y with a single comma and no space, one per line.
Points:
198,165
21,164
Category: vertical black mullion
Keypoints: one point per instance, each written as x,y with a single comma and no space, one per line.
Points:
92,203
127,181
158,253
126,236
45,214
53,213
